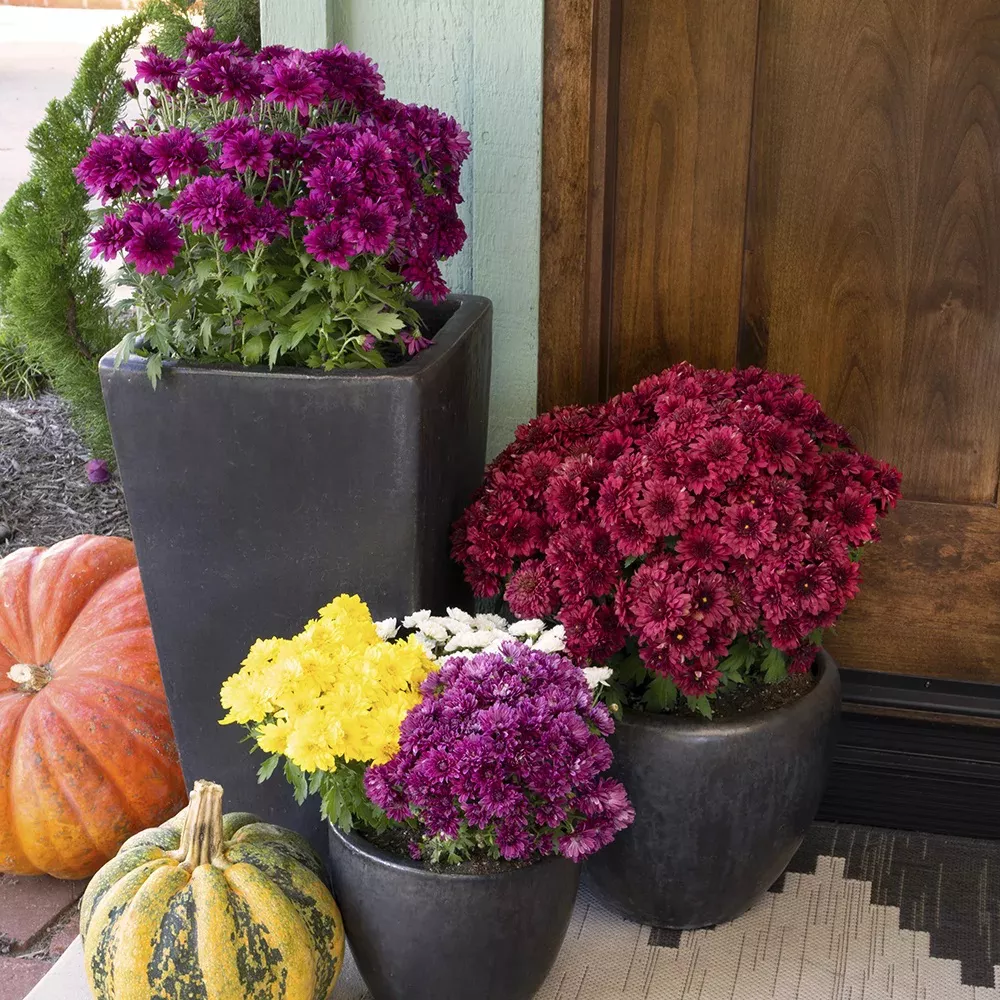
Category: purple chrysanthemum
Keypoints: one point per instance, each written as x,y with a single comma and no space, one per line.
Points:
207,75
242,82
249,149
510,743
373,160
314,208
426,278
110,239
209,203
155,241
116,165
158,69
258,224
326,243
200,42
222,130
369,227
413,343
337,178
292,82
295,149
176,154
349,77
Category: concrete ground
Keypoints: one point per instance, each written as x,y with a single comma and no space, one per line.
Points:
40,49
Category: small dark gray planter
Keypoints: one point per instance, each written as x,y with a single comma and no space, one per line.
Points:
720,807
257,496
429,935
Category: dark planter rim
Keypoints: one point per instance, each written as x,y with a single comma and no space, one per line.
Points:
826,668
469,308
357,844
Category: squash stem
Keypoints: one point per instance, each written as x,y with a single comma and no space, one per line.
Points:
201,838
30,677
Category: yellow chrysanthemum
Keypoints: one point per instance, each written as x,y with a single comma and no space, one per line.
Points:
242,696
272,737
333,691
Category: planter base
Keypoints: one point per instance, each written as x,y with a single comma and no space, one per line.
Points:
721,807
422,935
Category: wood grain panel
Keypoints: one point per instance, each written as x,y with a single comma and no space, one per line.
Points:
873,257
930,596
686,98
578,133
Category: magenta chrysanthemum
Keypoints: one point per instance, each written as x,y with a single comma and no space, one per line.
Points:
116,165
326,242
246,149
292,82
369,227
155,241
110,239
298,152
175,154
156,68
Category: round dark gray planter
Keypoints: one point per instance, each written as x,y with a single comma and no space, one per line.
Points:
720,807
430,935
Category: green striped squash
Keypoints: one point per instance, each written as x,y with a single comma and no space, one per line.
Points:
212,907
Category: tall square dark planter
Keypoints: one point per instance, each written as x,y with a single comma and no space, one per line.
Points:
257,496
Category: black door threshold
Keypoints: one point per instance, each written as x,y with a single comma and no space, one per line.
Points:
917,754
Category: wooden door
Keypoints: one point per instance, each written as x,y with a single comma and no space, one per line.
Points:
814,186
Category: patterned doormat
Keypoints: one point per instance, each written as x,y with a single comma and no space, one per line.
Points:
860,914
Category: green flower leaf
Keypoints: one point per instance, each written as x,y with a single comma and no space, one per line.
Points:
154,368
253,349
661,695
774,666
203,270
372,319
268,767
206,332
297,779
701,705
309,321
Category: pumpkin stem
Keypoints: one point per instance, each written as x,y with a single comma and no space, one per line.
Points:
201,838
30,677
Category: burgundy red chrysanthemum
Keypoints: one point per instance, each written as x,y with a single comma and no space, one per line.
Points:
695,508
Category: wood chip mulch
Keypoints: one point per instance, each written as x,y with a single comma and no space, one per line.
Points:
45,495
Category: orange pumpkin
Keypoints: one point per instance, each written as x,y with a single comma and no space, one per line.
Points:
87,755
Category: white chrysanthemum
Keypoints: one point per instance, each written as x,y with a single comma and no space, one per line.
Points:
529,627
416,619
387,628
553,641
489,621
474,639
460,616
435,630
597,677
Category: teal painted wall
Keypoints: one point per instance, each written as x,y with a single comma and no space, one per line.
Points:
481,61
